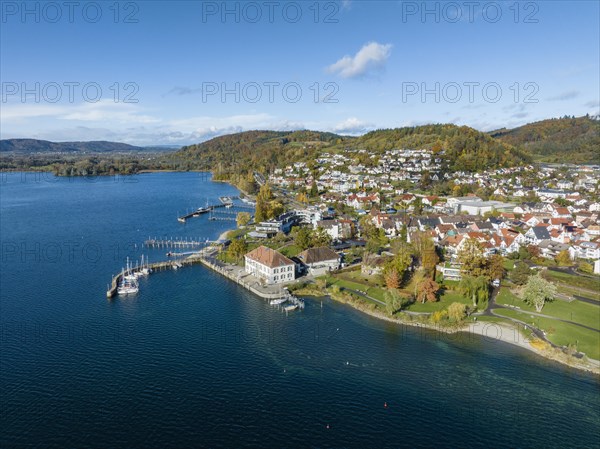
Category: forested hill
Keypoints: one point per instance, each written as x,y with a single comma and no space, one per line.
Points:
35,146
465,148
566,140
254,150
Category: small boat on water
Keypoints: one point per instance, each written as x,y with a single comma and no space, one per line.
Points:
128,284
276,302
290,307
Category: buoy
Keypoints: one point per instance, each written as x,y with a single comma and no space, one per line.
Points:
385,404
328,426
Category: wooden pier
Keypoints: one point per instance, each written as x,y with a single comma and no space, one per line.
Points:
176,243
194,258
200,211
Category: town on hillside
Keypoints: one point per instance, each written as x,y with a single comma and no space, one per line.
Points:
520,245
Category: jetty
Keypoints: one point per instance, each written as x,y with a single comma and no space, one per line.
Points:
177,242
207,257
225,202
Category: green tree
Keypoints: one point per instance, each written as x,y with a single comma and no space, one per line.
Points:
302,238
538,291
474,288
242,219
520,274
393,301
319,237
314,190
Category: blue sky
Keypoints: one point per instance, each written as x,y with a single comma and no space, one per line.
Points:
182,72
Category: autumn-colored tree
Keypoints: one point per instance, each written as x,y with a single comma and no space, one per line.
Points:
496,268
302,197
242,219
237,249
427,290
392,278
473,262
563,258
457,311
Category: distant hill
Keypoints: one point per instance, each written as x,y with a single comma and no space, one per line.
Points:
35,146
562,140
465,148
254,150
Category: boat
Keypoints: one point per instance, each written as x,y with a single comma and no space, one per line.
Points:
128,284
290,307
276,302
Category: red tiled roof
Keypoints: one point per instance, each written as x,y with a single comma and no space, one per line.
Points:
269,257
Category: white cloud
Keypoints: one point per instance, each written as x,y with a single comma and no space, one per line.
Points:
352,126
371,56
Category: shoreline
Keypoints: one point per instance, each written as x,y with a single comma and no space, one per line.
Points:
503,332
489,330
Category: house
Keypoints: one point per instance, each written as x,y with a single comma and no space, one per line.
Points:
585,250
270,266
450,273
320,260
536,234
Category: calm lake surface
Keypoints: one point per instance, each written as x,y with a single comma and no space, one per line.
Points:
195,361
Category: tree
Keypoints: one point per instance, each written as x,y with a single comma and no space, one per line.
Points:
563,258
302,198
302,239
314,190
537,291
457,311
427,290
242,219
520,274
417,205
475,288
393,301
320,237
237,249
261,211
496,268
473,262
391,277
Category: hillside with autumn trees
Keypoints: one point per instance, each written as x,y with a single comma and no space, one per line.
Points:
560,140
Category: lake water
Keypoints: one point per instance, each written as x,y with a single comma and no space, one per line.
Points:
193,360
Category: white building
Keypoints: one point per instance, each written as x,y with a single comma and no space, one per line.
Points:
320,260
269,265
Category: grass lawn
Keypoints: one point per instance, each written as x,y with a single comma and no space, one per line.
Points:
560,333
576,311
445,300
587,283
509,265
290,251
567,290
